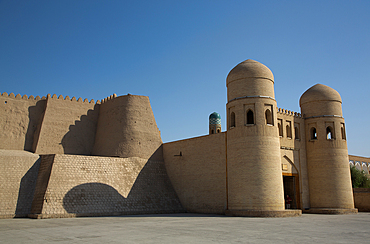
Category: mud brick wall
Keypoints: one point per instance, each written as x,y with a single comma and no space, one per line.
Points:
362,199
68,126
20,118
18,173
72,185
199,174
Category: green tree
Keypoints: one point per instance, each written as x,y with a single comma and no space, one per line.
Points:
359,178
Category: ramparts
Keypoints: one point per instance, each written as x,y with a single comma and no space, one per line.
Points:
127,128
130,179
124,126
68,126
74,185
197,170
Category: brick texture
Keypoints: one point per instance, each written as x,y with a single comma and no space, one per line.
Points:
18,172
98,186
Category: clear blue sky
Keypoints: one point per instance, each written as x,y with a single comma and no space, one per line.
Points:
179,53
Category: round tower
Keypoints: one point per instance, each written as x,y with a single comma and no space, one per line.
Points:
127,128
214,123
329,176
254,176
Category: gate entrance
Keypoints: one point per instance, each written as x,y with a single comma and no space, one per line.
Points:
291,188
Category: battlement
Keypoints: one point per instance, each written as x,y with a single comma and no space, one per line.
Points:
25,97
289,113
107,99
67,98
18,96
54,96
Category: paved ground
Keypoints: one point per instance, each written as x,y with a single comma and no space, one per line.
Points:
189,228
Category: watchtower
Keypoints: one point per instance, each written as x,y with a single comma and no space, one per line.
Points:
254,175
329,177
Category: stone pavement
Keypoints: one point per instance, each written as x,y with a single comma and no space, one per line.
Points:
189,228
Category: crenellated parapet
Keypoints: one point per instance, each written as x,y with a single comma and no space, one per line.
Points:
289,113
67,98
54,96
18,96
107,99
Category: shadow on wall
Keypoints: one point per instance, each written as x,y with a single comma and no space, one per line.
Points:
27,190
35,115
152,192
92,198
80,138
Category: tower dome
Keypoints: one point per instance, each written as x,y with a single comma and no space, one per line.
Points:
249,69
214,123
320,92
214,118
250,79
320,100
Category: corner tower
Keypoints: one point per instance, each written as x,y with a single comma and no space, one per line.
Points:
327,155
254,176
127,128
214,123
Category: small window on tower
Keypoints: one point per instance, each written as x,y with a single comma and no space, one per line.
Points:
313,133
268,116
343,131
232,119
329,133
250,117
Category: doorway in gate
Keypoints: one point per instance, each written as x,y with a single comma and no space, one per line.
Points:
291,188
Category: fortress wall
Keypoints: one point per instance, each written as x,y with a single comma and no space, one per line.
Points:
199,175
18,173
20,117
362,199
73,185
68,126
292,119
293,150
127,128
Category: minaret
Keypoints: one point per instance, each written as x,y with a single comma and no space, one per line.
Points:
327,155
254,175
214,123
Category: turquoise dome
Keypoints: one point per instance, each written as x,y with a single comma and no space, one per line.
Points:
214,119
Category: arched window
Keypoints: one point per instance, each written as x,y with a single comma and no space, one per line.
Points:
250,117
343,131
313,133
268,116
232,119
296,133
329,133
288,132
280,127
218,130
212,132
